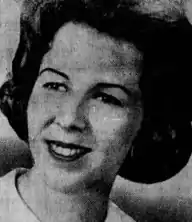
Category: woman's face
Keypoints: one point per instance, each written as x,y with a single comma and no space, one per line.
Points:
86,94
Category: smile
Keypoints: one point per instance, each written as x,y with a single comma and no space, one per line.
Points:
66,152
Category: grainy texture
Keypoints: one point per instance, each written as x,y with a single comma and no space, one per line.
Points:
172,197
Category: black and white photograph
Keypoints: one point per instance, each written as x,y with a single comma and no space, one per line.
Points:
95,110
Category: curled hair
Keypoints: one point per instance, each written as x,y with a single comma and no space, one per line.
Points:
163,142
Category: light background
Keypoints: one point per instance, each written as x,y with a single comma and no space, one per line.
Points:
168,199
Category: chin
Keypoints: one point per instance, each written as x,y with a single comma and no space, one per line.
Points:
75,182
74,176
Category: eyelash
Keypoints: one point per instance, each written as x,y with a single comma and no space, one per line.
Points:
108,98
54,86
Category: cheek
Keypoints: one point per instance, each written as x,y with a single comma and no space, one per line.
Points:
41,108
108,122
113,132
111,150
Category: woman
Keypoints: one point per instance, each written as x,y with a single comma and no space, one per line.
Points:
74,96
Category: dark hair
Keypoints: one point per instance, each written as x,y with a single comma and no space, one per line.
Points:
163,144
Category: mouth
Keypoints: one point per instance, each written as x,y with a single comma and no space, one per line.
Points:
66,151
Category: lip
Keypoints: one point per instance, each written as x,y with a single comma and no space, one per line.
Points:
60,157
67,145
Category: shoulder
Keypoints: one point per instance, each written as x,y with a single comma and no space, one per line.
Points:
10,203
7,194
115,214
7,184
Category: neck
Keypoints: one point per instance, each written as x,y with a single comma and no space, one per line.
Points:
53,206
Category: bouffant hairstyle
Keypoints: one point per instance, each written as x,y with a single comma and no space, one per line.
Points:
163,144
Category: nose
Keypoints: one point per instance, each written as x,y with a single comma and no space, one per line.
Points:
72,116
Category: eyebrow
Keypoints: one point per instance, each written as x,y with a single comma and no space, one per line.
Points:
55,71
113,85
99,85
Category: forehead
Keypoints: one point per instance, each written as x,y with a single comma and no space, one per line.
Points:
79,47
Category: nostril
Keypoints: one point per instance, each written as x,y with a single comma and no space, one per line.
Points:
72,116
49,122
74,126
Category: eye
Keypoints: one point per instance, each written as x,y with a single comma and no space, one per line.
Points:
56,86
108,99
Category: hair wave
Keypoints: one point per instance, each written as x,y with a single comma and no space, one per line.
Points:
163,142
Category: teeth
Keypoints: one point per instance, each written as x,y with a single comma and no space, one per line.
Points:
65,151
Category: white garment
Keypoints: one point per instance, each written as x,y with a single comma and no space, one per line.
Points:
13,209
